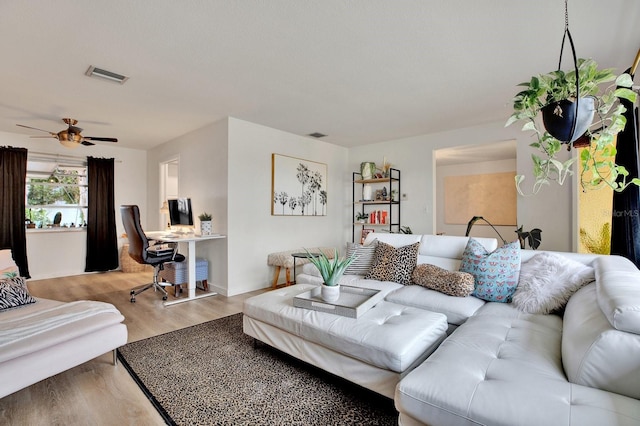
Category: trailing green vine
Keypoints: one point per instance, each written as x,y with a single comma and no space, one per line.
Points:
598,159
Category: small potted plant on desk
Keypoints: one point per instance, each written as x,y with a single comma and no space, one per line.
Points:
331,270
205,223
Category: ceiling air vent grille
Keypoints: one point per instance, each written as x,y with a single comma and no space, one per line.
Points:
317,135
107,75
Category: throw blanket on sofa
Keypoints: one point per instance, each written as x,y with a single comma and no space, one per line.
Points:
39,321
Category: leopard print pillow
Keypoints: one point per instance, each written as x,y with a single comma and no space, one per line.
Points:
433,277
394,264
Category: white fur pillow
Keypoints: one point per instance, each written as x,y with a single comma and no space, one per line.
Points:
547,281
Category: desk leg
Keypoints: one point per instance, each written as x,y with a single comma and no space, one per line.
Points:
192,269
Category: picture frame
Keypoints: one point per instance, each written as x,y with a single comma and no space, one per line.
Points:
298,186
365,232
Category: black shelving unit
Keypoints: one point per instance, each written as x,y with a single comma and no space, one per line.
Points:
365,207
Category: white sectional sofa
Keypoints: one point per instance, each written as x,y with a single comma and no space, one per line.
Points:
42,337
499,365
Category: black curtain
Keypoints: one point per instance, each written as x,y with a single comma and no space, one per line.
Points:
13,176
625,221
102,243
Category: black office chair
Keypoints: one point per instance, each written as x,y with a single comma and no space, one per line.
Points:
139,250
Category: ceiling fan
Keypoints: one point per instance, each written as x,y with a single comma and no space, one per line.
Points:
70,137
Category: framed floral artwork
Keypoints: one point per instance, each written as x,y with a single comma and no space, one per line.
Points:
298,187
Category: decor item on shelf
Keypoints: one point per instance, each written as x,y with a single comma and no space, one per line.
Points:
362,217
205,223
331,270
533,237
557,97
57,219
367,192
368,170
385,167
394,195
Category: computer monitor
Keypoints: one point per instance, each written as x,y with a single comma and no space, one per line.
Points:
180,213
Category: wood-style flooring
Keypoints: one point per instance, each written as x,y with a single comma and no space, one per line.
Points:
96,392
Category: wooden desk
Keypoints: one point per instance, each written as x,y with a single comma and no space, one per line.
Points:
191,241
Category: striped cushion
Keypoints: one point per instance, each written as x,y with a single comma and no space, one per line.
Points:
13,292
364,260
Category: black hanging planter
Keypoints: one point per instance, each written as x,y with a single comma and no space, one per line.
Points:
560,118
561,122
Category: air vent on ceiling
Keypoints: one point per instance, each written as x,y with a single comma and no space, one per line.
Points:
107,75
317,135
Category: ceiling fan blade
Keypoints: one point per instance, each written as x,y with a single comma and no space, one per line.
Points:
85,143
34,128
52,136
92,138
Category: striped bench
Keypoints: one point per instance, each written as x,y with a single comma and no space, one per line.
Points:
283,259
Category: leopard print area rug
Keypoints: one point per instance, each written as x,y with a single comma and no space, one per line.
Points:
211,374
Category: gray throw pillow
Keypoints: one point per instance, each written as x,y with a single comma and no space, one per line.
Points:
364,260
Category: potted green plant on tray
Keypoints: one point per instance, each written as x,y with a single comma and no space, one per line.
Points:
205,223
556,96
330,270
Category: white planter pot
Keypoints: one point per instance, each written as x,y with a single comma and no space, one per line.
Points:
206,227
330,294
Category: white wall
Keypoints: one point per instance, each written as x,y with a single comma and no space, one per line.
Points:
550,210
253,232
202,176
480,229
226,169
59,253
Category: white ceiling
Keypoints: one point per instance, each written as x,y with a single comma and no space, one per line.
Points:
361,71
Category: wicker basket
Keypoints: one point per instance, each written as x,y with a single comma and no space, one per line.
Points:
127,264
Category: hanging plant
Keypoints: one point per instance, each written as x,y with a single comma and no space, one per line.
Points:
556,91
569,102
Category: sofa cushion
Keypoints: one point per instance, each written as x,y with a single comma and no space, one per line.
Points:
364,258
394,264
453,283
547,281
457,309
596,354
396,240
14,293
389,336
504,368
495,273
618,287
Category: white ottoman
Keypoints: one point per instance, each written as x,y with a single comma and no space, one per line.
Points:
375,350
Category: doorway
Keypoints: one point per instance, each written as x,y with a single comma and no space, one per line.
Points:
468,172
169,184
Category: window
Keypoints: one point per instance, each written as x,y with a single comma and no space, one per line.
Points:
56,192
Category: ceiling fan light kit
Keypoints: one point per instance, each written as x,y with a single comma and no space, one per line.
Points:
71,137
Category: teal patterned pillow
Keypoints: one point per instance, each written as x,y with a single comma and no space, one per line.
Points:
496,274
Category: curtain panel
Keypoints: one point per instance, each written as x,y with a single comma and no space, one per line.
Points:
13,176
102,242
